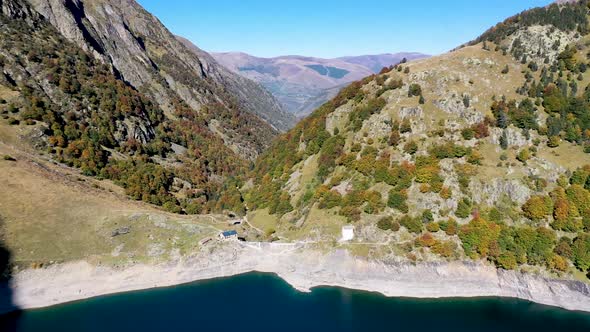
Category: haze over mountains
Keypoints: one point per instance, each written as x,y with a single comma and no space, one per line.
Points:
302,83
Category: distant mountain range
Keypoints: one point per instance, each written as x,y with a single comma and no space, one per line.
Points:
301,83
376,62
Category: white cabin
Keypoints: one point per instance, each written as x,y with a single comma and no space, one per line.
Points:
228,235
347,233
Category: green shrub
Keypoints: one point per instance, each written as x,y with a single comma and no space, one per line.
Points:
414,90
450,227
405,126
427,216
397,200
463,208
385,223
413,225
537,208
467,133
553,141
411,147
433,227
581,252
479,237
507,261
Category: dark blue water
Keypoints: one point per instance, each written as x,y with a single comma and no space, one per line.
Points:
262,302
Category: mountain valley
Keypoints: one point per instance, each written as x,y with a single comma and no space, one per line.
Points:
125,149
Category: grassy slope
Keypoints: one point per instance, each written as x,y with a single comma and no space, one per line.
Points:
53,213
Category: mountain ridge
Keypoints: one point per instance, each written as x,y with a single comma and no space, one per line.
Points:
302,82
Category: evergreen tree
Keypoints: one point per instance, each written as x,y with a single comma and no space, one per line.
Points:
504,140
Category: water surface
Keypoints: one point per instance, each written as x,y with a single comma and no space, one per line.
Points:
264,302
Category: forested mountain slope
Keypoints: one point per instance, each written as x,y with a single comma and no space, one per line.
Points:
146,55
476,153
159,122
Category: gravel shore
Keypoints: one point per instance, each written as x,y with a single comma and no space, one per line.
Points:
304,269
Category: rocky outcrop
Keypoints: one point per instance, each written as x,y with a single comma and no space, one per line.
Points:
492,191
339,118
12,8
455,106
541,41
414,112
514,137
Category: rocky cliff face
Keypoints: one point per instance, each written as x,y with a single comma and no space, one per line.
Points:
35,72
146,55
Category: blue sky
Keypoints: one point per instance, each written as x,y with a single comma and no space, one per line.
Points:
332,28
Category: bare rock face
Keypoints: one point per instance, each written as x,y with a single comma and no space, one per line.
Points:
12,8
415,112
514,137
492,191
141,131
535,38
454,105
338,118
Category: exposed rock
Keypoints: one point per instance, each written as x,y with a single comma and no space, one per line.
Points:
141,131
155,249
343,188
477,62
491,191
455,106
538,42
414,112
338,118
121,231
377,126
178,149
514,136
293,185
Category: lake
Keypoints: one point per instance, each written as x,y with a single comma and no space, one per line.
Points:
264,302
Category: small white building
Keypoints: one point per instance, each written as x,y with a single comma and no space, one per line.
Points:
347,233
228,235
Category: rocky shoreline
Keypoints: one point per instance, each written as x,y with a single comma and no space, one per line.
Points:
303,269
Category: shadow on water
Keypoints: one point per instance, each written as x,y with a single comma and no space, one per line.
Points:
9,312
